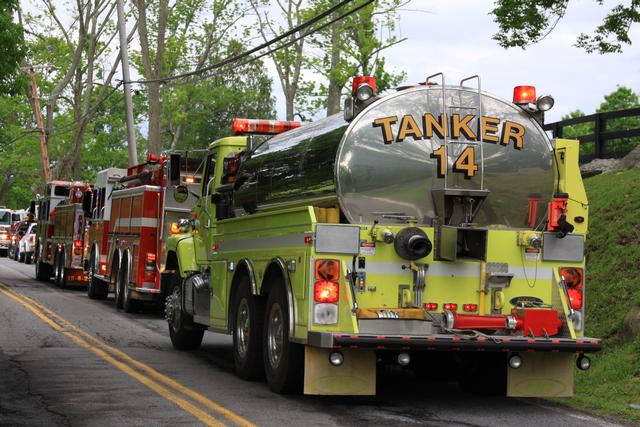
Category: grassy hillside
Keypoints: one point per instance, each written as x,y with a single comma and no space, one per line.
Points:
612,289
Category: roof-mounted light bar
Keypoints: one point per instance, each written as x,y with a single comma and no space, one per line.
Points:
262,127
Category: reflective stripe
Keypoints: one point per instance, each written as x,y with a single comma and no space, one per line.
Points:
136,222
455,270
269,242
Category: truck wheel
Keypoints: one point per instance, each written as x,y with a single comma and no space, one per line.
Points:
43,270
185,335
129,305
4,252
115,279
28,257
282,359
96,288
248,321
61,270
20,256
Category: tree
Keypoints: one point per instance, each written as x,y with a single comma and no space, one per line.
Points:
620,99
349,47
522,23
12,49
288,60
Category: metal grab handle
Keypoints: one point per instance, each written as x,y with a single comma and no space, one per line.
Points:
480,130
445,121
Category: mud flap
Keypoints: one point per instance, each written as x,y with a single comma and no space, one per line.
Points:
542,375
355,377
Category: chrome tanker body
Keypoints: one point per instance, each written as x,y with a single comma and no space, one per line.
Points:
387,164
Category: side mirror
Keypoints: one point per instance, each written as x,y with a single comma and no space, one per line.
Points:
174,171
180,193
32,207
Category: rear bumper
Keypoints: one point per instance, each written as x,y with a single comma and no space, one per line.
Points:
452,343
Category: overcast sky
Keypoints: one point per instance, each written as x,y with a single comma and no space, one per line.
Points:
454,36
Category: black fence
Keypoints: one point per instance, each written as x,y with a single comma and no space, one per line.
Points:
602,135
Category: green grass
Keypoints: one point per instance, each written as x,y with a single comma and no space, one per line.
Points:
612,289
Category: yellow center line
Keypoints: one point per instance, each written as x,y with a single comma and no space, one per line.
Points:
65,327
237,419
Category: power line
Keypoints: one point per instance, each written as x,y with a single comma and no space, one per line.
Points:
237,57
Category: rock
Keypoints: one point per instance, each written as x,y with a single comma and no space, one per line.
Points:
632,160
631,324
599,166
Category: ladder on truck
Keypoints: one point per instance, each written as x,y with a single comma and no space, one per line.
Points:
449,198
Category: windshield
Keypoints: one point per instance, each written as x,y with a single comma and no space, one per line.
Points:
5,217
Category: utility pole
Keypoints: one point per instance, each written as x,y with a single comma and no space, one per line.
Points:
128,102
44,150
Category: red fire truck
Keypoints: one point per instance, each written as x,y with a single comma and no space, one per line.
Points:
59,250
96,239
127,250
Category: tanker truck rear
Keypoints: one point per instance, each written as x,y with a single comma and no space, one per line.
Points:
437,228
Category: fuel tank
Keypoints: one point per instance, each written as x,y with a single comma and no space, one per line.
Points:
388,162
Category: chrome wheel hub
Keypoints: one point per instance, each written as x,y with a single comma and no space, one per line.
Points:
275,336
243,327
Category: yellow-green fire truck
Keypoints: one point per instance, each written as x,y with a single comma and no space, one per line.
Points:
437,228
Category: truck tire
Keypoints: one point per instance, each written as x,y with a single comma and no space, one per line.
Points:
248,321
283,360
4,252
21,256
96,289
43,270
185,335
117,291
28,258
61,270
129,305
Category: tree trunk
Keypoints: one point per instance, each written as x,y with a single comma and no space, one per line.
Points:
335,87
153,69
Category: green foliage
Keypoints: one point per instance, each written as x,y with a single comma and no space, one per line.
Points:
613,251
12,49
360,42
214,102
524,22
19,153
621,99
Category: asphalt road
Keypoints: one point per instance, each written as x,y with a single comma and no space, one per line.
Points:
66,360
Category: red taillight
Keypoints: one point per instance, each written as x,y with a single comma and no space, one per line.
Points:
470,307
430,306
308,240
264,127
32,239
450,306
150,267
327,269
575,298
152,158
572,276
524,95
77,247
326,292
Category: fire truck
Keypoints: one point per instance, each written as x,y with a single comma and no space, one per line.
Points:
132,219
96,234
437,228
59,247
